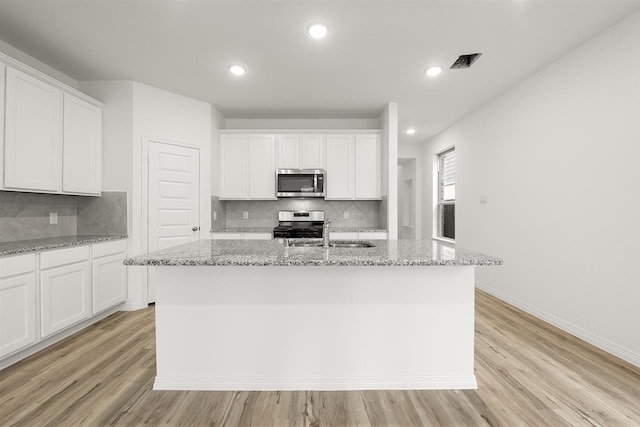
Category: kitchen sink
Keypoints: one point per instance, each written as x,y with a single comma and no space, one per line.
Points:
351,244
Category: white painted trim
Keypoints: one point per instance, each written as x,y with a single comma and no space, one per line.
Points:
41,345
13,63
298,131
317,383
602,343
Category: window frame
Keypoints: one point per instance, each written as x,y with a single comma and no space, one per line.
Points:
439,203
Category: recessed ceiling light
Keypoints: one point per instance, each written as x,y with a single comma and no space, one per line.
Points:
433,71
411,131
237,70
317,30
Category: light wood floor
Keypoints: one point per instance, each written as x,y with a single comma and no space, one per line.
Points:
529,373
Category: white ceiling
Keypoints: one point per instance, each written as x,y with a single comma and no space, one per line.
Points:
375,51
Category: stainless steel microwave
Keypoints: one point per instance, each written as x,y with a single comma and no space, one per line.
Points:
300,183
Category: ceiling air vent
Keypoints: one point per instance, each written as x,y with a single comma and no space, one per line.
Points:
465,61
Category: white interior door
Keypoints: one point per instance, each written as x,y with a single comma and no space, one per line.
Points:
174,198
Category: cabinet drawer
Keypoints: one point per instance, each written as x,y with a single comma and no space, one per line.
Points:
109,248
14,265
63,256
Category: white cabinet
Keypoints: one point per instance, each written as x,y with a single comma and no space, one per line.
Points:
340,165
262,167
33,134
353,167
65,288
82,147
289,151
17,303
367,167
304,151
312,147
247,167
3,70
109,280
233,165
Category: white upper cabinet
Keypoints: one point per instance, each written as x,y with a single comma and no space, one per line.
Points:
233,166
262,167
247,167
289,152
367,167
312,149
304,151
82,147
340,167
3,70
33,134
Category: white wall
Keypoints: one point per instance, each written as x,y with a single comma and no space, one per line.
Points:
558,158
413,152
217,122
388,122
302,124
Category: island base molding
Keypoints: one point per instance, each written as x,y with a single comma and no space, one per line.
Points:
314,328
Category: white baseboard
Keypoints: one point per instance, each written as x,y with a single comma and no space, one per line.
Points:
316,383
602,343
41,345
133,305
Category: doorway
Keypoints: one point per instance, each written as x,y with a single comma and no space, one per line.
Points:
407,198
173,198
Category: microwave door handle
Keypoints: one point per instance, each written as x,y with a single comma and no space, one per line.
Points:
315,183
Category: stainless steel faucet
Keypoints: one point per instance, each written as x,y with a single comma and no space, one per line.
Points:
325,234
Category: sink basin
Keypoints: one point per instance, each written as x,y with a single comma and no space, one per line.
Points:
351,245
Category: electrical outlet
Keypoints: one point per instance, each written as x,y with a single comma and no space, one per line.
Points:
53,218
245,215
215,215
346,214
484,200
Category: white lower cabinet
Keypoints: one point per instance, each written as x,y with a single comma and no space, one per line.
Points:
17,303
109,275
65,294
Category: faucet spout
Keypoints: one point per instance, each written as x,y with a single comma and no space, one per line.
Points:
325,234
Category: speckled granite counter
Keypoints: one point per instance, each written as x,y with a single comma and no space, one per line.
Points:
273,253
243,230
34,245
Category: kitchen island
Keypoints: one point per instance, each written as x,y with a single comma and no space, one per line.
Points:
254,315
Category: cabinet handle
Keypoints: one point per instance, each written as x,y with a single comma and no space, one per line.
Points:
195,228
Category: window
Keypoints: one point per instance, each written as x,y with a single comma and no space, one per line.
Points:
446,211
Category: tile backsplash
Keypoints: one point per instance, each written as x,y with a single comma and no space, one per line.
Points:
362,213
25,216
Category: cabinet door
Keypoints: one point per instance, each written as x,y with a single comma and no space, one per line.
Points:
312,147
81,147
288,152
65,296
339,179
367,165
109,282
33,134
233,166
17,313
2,80
262,167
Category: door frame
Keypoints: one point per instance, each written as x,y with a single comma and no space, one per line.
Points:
144,219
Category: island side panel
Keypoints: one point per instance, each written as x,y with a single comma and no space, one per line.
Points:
314,328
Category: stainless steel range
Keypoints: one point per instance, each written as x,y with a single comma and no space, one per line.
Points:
299,224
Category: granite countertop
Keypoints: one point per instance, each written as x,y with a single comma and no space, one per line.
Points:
273,253
34,245
242,230
270,229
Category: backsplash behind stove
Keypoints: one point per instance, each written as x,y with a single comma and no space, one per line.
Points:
264,213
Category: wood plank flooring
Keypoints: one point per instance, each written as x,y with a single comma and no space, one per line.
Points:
529,374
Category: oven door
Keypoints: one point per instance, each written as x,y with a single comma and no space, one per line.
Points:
300,183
